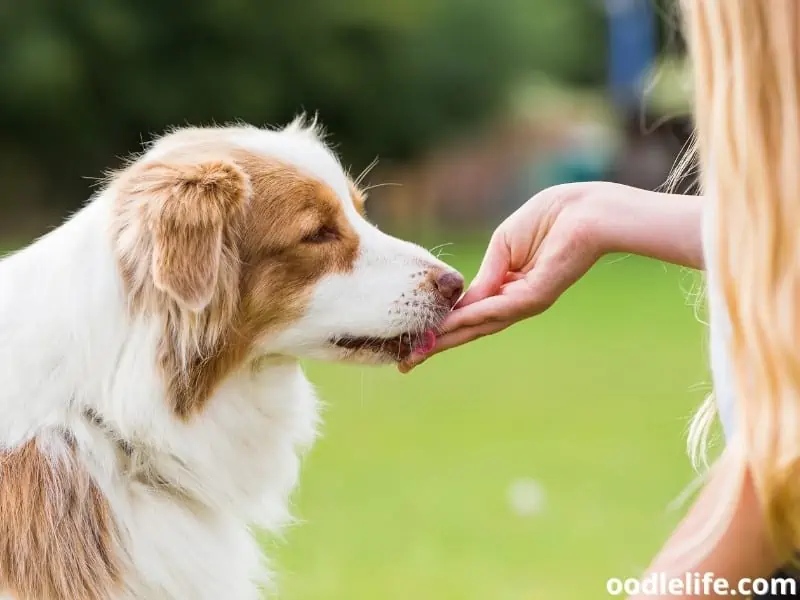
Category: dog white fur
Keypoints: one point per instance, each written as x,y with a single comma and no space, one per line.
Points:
127,496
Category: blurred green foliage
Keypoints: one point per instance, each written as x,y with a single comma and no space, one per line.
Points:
83,82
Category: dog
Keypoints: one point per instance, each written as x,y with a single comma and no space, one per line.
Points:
153,405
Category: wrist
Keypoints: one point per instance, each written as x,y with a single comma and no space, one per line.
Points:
629,220
612,217
622,216
596,207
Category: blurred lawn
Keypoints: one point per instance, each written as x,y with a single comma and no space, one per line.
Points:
406,495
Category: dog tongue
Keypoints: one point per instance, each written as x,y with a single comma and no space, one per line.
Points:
425,343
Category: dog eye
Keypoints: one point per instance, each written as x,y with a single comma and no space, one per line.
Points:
322,235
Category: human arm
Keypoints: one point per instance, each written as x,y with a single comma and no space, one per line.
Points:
554,239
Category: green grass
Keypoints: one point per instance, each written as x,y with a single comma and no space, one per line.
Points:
406,495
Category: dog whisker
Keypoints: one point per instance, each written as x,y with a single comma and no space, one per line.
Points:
380,185
359,180
439,247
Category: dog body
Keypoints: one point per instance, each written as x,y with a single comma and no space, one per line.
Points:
153,408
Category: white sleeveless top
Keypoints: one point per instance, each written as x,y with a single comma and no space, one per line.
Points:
719,327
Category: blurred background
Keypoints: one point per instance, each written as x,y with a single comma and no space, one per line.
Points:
535,464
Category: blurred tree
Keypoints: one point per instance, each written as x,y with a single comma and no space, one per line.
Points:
81,82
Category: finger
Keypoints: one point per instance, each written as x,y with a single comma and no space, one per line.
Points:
517,300
452,340
492,272
468,334
495,308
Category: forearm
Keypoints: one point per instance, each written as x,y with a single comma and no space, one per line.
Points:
666,227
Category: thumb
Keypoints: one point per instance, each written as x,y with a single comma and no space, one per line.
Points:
492,272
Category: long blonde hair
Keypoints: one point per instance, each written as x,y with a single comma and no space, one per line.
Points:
746,57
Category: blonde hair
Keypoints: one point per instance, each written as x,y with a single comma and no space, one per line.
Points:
746,57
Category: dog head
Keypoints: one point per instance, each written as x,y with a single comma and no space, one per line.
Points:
247,243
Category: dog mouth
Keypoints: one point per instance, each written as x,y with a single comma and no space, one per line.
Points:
399,347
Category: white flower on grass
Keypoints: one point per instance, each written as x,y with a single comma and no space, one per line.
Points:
526,497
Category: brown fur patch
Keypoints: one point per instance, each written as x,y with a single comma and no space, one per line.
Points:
291,231
56,531
194,224
191,212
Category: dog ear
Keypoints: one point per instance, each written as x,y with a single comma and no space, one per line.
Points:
193,212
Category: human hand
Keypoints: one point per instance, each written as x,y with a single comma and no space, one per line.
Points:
554,239
532,257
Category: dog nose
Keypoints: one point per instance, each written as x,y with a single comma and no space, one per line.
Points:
450,284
